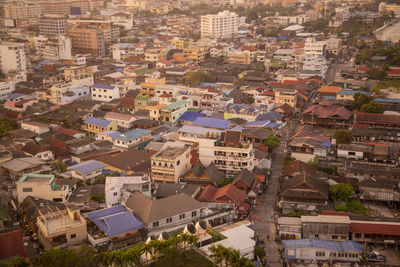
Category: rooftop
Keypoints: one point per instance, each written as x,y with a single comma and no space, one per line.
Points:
170,152
323,244
88,166
132,134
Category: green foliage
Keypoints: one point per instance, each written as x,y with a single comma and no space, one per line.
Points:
343,137
6,126
314,162
392,54
257,66
359,100
15,262
296,214
353,205
334,168
259,252
98,197
341,191
61,166
223,182
373,107
197,77
272,142
318,25
216,236
228,256
288,159
278,240
376,74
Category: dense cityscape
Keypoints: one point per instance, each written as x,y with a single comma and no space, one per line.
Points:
200,133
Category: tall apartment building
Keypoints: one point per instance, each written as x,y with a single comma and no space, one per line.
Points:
314,56
229,153
384,7
56,48
52,24
21,10
111,31
222,25
62,7
87,41
12,57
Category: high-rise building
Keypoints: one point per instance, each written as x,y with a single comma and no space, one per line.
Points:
314,56
21,10
12,57
111,31
58,47
222,25
52,24
87,40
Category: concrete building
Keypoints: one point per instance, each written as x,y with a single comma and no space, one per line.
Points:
135,138
62,228
6,88
21,10
326,227
170,163
119,189
87,40
314,56
52,24
155,54
65,93
239,57
222,25
111,31
385,7
12,56
36,127
87,170
124,121
42,186
229,153
285,96
322,250
69,7
104,92
54,48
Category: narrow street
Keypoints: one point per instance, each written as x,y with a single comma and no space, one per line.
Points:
263,216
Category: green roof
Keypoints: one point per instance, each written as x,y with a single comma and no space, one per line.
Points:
139,97
144,71
176,104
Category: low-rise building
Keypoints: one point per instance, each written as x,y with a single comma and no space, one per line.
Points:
326,227
286,96
135,138
62,228
124,121
36,127
119,188
87,170
170,164
289,228
104,92
97,125
42,186
54,48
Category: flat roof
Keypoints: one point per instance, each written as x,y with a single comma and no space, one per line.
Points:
325,219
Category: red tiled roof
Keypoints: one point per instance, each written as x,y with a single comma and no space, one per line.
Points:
393,72
55,143
366,118
127,102
334,213
269,93
360,126
165,95
327,112
275,83
70,132
12,245
364,68
226,194
381,228
299,166
263,148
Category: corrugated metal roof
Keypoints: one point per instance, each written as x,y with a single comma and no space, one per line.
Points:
323,244
211,122
191,116
103,86
88,166
115,220
132,134
97,121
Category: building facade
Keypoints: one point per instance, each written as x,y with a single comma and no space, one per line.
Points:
222,25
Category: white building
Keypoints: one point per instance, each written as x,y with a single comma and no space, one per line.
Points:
66,93
230,154
122,19
55,48
118,189
12,57
42,186
170,163
314,56
124,121
36,127
50,24
87,170
6,88
222,25
104,92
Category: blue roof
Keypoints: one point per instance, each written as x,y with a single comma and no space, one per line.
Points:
352,92
119,69
13,96
348,245
209,84
237,128
103,86
326,144
132,134
258,123
211,123
272,125
97,121
111,134
115,220
270,116
191,116
88,166
387,100
47,62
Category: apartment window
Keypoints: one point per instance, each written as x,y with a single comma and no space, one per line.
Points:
320,254
178,162
357,235
316,235
155,224
27,189
194,213
182,216
115,193
73,236
169,220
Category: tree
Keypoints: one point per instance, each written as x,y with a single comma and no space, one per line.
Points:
197,77
376,74
272,142
373,107
61,166
343,137
228,257
341,191
359,100
259,252
6,126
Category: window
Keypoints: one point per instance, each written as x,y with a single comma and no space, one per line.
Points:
358,235
178,162
73,236
320,254
169,220
194,213
316,235
27,189
115,193
155,224
182,216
